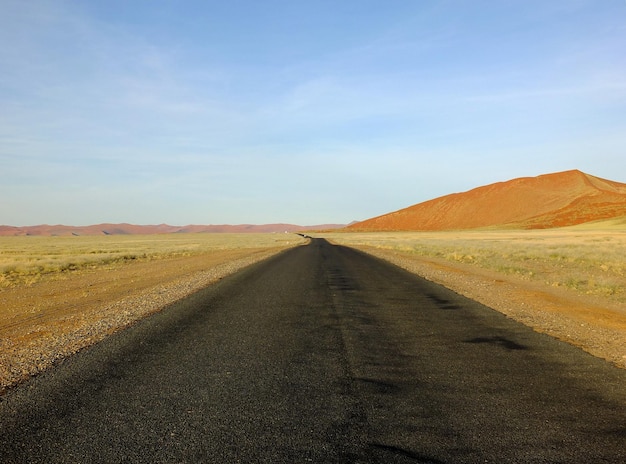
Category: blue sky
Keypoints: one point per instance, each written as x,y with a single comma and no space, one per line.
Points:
307,112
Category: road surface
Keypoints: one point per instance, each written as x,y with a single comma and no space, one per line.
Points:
321,354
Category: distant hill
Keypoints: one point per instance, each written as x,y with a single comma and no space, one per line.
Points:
552,200
131,229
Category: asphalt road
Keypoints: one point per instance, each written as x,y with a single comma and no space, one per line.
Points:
321,354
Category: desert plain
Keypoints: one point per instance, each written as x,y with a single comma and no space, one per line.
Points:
59,295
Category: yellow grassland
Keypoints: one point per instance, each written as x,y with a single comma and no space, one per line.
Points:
25,260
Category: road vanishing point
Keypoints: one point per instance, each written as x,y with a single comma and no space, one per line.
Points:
321,354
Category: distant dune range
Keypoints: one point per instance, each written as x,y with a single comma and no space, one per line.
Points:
553,200
560,199
130,229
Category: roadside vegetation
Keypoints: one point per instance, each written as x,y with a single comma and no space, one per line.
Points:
588,261
25,260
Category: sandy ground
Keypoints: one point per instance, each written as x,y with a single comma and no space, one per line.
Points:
57,317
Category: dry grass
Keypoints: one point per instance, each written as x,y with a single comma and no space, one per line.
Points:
587,261
25,260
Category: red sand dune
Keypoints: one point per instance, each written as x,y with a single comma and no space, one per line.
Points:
131,229
552,200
